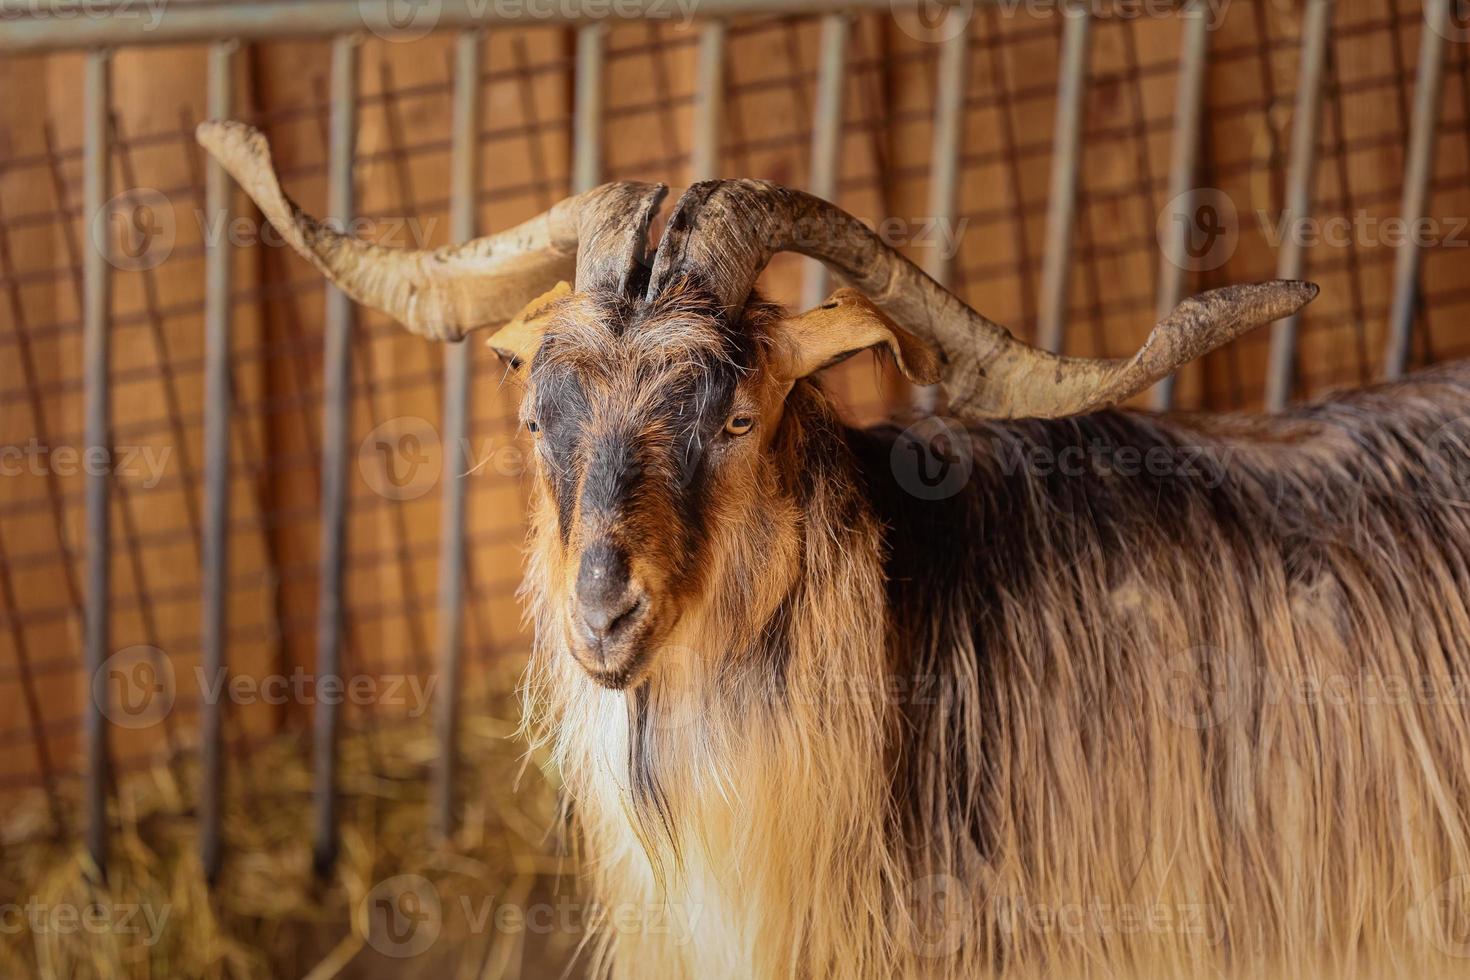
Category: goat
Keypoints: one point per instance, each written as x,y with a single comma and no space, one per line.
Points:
1133,695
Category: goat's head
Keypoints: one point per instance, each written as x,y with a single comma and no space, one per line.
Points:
653,419
655,386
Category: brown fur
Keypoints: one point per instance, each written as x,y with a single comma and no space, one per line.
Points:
884,737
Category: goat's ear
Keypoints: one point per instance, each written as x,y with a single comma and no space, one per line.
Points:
518,341
841,327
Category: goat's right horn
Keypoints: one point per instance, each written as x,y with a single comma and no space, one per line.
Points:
724,232
444,293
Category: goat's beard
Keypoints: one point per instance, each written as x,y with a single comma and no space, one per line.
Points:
680,731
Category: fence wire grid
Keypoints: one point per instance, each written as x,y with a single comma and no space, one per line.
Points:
770,85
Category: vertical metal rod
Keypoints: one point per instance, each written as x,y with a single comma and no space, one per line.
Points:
1061,213
944,166
219,398
1194,56
709,102
1301,174
949,134
464,173
96,357
336,423
587,111
827,133
1418,168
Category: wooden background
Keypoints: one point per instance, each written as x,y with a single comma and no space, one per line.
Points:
402,180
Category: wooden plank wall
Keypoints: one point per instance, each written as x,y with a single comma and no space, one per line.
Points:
402,179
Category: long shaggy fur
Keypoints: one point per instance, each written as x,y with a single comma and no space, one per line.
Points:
1127,719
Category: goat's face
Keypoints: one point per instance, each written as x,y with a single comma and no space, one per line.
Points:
652,426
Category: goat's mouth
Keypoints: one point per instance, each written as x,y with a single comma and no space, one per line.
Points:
615,657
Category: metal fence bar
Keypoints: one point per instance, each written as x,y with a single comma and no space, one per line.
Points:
827,134
1418,168
709,102
83,24
96,357
1300,176
1194,60
220,98
1061,213
336,427
944,165
587,110
464,174
949,141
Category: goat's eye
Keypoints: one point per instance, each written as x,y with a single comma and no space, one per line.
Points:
533,426
739,425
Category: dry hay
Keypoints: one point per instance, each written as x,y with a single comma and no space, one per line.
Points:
268,915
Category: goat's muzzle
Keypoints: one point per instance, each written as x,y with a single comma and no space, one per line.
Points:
609,617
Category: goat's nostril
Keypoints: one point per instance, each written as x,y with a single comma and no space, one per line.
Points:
604,619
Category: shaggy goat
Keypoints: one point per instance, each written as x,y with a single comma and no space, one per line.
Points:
1062,690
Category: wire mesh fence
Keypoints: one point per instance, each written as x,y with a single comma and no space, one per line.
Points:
161,230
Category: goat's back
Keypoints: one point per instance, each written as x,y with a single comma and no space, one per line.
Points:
1213,670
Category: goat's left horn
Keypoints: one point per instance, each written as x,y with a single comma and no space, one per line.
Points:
732,228
444,293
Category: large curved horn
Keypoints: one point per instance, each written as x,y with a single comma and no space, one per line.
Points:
724,232
444,293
